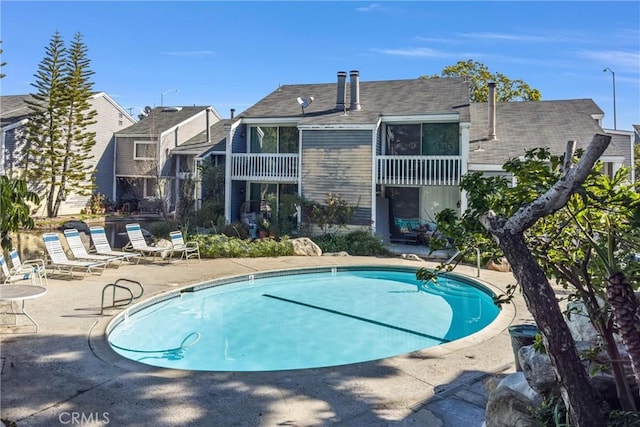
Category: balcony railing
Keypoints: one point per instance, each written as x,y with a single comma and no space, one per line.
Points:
265,167
419,170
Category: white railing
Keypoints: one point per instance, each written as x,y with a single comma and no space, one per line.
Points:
265,167
419,170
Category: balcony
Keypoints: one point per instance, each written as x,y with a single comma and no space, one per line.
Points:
418,170
265,167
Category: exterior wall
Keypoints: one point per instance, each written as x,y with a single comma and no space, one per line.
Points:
339,162
111,120
238,142
126,165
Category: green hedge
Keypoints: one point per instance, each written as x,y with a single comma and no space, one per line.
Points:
221,246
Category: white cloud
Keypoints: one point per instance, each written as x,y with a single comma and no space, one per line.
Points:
422,52
371,7
508,37
614,59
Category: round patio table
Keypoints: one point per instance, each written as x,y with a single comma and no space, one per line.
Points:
22,293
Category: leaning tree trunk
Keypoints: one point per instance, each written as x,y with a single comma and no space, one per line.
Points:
578,393
577,390
626,313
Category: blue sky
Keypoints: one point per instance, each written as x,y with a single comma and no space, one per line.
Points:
232,54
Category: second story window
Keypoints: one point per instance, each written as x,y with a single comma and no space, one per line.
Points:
274,139
426,139
144,150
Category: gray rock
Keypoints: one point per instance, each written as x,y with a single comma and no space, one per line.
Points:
509,403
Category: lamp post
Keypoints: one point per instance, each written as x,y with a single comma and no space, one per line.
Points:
613,75
166,92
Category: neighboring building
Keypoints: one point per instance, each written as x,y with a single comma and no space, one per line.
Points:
397,149
147,174
111,117
502,131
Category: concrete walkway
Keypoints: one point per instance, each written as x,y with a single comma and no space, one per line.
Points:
67,375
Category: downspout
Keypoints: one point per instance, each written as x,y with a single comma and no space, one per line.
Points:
114,188
492,111
464,161
227,174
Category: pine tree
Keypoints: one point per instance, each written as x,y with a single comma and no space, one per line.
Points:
78,116
58,145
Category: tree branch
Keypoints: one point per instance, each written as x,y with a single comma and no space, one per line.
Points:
558,195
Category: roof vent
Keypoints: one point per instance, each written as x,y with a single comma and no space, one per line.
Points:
171,109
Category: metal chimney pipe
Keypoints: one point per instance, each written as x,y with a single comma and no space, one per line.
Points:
355,90
341,95
233,111
492,110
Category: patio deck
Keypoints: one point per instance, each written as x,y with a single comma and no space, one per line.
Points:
67,369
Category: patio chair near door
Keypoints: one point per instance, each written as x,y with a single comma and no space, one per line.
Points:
190,249
60,262
138,244
103,247
37,268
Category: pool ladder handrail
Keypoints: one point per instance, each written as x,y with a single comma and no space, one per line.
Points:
458,252
122,302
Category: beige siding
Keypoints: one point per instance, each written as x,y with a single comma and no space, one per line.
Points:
338,162
110,119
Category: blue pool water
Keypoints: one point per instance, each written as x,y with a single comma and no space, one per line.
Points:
302,319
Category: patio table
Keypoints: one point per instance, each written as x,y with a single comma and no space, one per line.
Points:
22,293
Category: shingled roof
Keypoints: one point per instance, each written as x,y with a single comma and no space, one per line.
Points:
161,119
525,125
199,145
389,97
13,108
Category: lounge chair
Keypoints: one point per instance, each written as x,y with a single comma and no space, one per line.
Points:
80,252
10,277
60,261
187,250
33,267
102,246
138,244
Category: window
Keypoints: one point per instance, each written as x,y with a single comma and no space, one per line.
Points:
427,139
274,139
144,150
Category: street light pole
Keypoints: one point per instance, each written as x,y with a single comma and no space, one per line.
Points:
166,92
613,75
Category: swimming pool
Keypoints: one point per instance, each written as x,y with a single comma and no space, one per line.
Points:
300,319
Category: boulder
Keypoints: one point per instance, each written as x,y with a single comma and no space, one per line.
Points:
303,246
509,402
499,265
537,369
411,257
341,253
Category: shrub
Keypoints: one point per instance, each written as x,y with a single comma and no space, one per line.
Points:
357,243
222,246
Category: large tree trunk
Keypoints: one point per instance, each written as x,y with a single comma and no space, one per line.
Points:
577,390
627,317
578,393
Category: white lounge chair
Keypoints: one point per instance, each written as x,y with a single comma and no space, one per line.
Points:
138,244
187,250
33,267
11,277
60,261
74,241
102,246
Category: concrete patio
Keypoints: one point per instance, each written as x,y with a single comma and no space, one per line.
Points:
67,372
